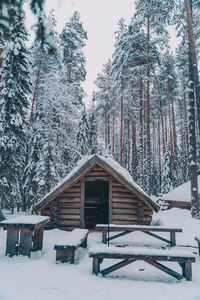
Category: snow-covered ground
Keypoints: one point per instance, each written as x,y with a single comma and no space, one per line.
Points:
39,278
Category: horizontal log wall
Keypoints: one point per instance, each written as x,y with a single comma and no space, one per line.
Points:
127,208
69,203
67,206
179,204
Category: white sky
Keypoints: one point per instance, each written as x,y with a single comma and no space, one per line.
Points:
100,19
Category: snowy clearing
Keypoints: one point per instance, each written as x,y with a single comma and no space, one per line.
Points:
40,278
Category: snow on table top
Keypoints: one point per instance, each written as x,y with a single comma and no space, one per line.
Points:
136,226
26,220
175,251
181,193
74,237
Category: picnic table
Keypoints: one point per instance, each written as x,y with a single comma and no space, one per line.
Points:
125,229
24,234
128,255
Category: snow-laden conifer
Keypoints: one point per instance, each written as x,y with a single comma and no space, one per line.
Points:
15,87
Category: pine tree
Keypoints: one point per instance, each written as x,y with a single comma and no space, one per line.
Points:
166,172
83,135
93,138
15,88
73,40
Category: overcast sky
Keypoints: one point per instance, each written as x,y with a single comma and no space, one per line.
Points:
100,19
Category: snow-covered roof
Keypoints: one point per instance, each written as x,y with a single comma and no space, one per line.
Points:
181,193
111,166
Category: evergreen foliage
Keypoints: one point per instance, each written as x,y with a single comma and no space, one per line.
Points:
15,87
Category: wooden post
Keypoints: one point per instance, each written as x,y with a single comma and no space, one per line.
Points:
82,206
38,239
188,270
173,238
25,242
12,241
110,200
104,236
96,266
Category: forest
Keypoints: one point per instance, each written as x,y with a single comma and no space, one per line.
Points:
145,112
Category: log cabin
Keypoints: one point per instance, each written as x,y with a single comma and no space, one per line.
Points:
179,197
97,191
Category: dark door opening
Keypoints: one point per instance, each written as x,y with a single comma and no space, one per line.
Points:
96,203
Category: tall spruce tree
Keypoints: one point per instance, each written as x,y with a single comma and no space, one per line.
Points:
73,40
15,88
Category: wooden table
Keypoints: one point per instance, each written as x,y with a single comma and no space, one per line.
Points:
149,255
24,234
125,229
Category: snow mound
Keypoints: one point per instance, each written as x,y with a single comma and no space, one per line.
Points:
181,193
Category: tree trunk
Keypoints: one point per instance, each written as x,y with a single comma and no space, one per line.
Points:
35,90
186,121
192,146
164,143
159,159
106,123
133,137
174,129
192,50
1,60
129,148
113,137
170,126
141,162
148,110
121,129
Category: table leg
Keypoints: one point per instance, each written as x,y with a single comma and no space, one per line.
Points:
187,270
173,238
25,242
12,241
96,265
38,239
104,237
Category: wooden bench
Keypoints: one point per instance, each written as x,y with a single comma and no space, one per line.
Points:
65,252
198,242
149,255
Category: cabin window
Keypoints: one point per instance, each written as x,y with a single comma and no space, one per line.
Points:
96,203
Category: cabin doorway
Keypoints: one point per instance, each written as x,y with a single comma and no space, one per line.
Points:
96,203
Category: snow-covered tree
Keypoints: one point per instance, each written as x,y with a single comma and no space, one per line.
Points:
15,87
83,135
73,40
167,172
49,136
